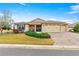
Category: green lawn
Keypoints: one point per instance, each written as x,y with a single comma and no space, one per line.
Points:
23,39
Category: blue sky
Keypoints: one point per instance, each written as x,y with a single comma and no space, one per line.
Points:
68,12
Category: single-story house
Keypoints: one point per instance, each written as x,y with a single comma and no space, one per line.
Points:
39,25
20,26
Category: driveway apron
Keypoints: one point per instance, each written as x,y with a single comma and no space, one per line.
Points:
65,38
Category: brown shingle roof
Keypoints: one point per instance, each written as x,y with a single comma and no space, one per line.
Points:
41,21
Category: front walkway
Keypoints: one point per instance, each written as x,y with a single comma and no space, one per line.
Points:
65,38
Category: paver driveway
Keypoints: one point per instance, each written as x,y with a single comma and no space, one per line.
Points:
65,38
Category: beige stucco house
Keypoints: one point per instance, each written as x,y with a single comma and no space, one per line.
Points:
39,25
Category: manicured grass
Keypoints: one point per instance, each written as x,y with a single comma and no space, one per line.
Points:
24,39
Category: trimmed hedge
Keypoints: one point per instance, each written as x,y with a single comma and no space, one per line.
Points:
37,35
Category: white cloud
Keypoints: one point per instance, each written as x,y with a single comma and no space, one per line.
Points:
66,20
73,12
1,14
75,9
22,4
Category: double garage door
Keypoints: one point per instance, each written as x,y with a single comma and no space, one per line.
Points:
54,28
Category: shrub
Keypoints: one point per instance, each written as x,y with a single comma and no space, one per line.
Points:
15,31
76,28
37,35
6,28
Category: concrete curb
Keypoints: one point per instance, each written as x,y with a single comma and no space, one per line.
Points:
52,47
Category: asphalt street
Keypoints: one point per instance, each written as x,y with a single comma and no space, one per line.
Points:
37,52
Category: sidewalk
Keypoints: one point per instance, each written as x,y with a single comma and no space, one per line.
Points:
53,47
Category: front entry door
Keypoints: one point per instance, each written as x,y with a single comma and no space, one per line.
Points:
38,28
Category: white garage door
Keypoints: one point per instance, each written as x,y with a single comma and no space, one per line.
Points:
63,28
51,28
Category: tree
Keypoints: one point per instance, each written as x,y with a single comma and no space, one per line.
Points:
76,27
6,20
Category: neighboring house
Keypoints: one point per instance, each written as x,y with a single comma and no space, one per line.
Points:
20,26
71,27
39,25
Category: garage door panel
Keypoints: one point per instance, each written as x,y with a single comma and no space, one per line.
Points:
52,28
63,28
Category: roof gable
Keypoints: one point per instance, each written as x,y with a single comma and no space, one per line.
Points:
37,21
